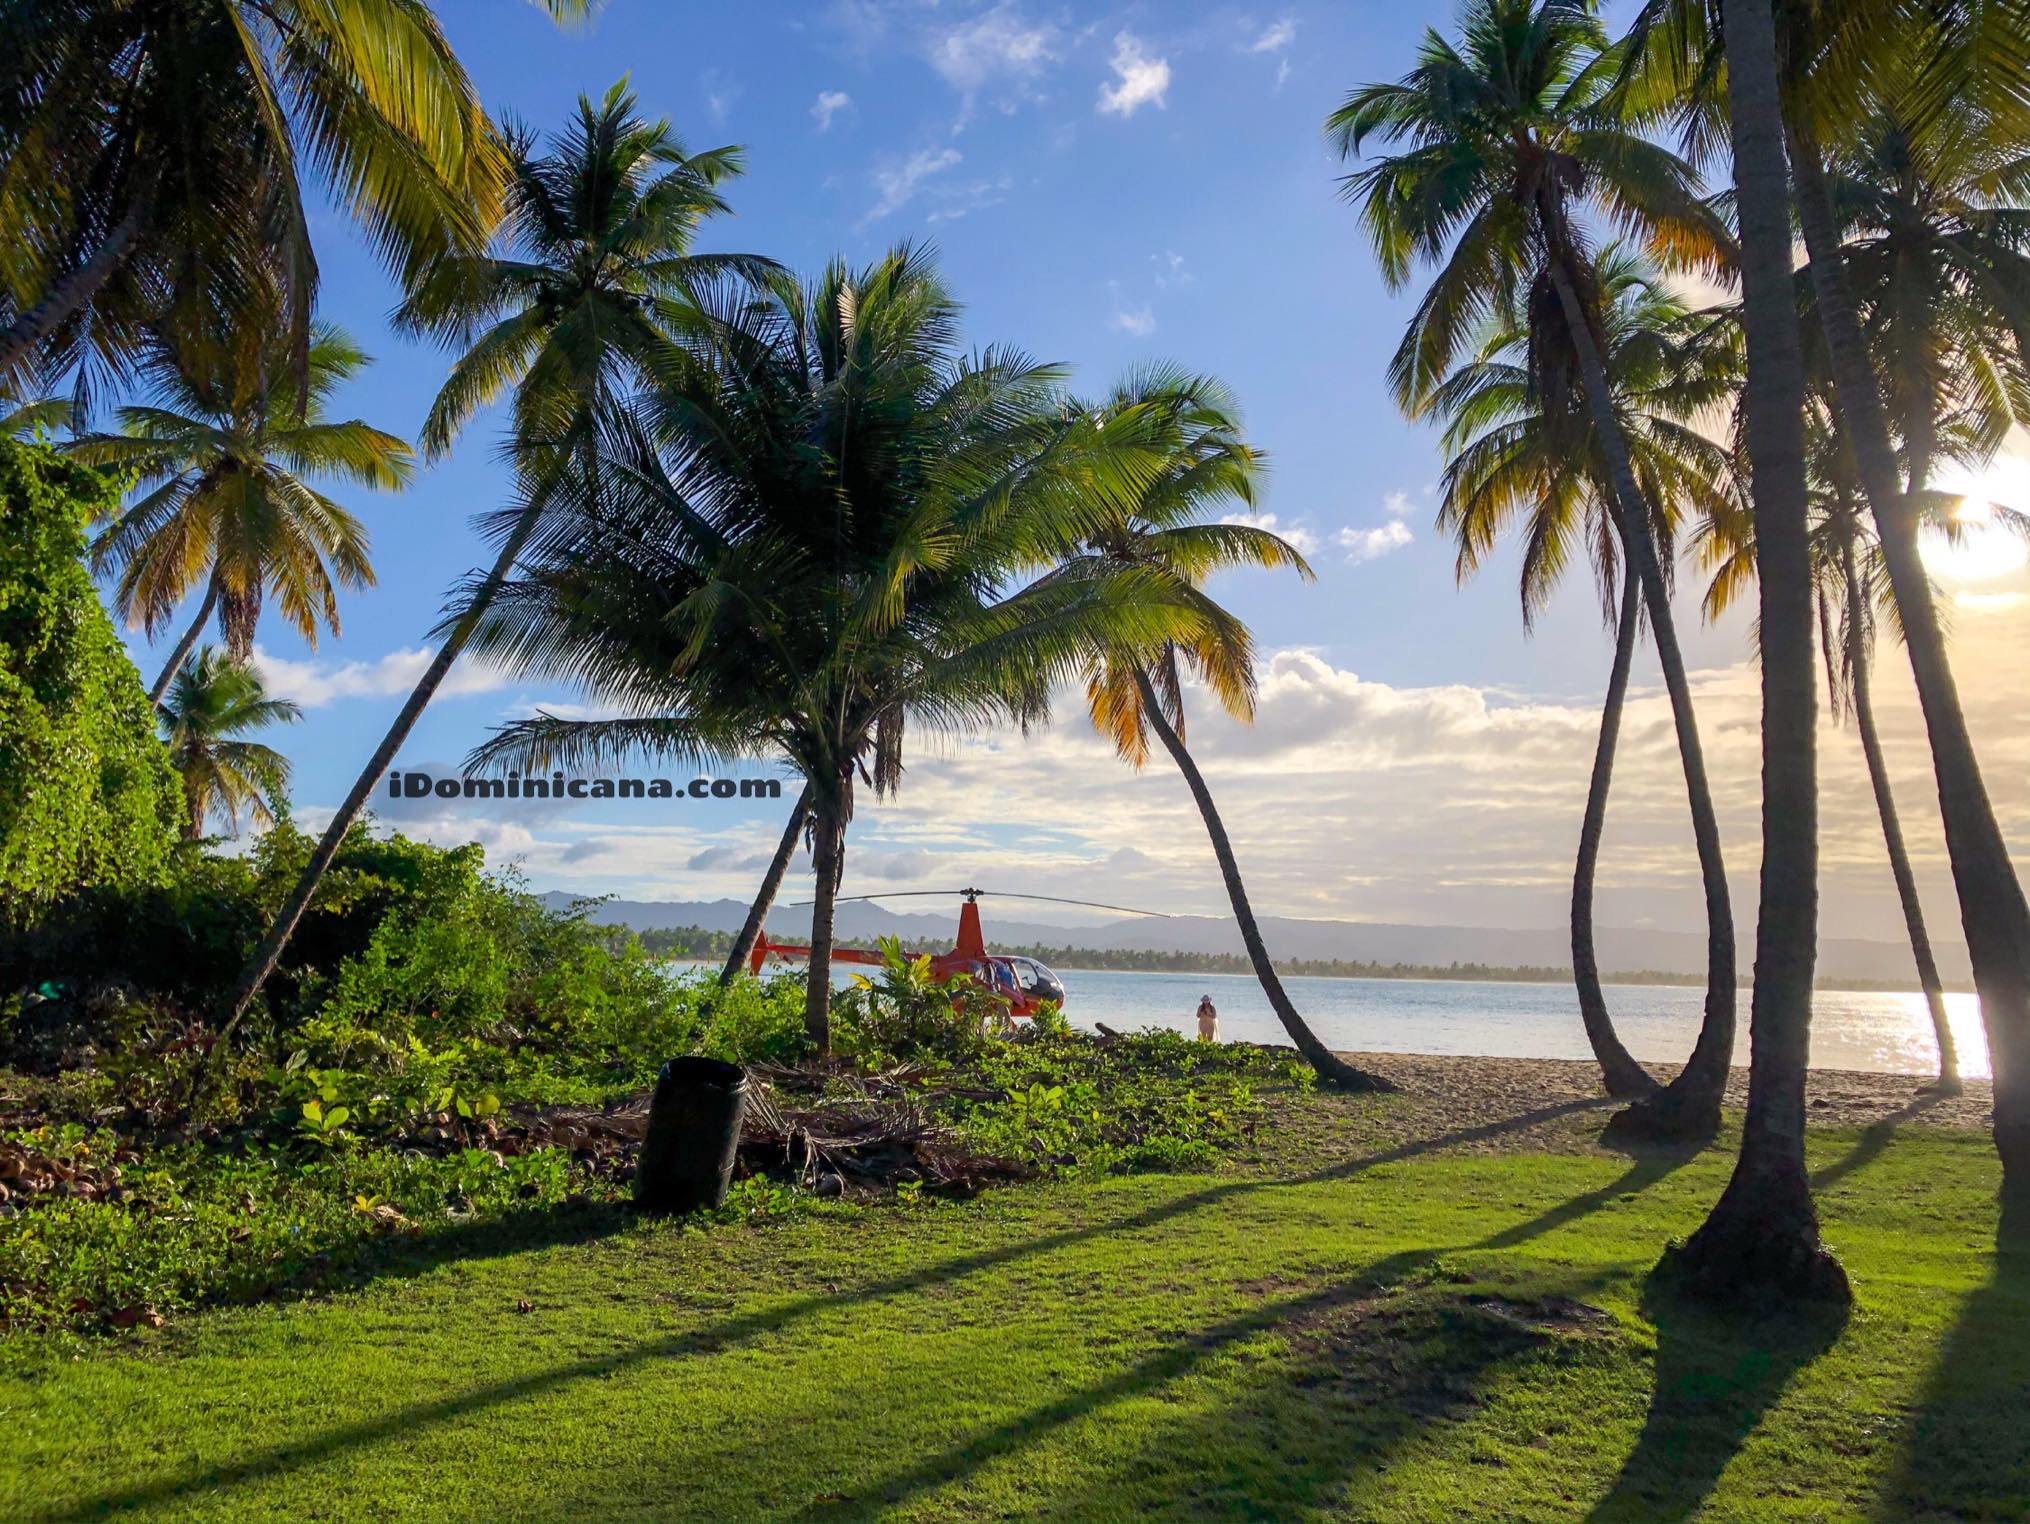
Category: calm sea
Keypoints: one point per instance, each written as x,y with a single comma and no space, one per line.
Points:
1874,1030
1871,1030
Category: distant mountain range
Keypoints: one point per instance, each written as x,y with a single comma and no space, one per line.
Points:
1621,949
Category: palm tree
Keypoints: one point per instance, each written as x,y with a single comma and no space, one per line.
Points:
793,831
1163,533
1928,183
41,415
1936,278
151,175
1852,590
1762,1235
1511,138
583,298
215,702
799,553
1520,453
226,466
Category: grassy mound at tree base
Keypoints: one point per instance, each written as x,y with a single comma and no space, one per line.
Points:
1361,1334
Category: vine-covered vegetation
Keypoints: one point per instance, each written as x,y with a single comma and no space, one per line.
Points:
86,793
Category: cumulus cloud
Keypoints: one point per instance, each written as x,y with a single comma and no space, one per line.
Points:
1370,544
1139,79
1348,798
828,105
1302,538
314,683
1139,321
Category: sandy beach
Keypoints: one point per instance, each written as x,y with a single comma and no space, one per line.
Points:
1515,1105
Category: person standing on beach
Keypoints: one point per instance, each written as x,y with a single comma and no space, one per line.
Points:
1208,1020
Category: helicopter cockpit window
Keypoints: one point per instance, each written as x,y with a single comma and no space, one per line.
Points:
1037,980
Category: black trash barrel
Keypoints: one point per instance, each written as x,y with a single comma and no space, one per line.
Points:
693,1132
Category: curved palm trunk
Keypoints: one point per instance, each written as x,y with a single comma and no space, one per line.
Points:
1618,1068
827,858
181,653
1993,911
77,288
1689,1106
1331,1068
269,953
1761,1238
771,885
1948,1082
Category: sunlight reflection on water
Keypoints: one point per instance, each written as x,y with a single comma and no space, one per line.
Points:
1881,1031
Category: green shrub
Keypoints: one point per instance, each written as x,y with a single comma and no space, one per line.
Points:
196,1225
87,795
911,1015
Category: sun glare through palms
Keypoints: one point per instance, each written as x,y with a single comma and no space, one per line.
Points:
1983,548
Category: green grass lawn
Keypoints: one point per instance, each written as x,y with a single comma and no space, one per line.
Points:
1393,1334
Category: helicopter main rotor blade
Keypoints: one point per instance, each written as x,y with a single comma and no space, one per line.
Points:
908,894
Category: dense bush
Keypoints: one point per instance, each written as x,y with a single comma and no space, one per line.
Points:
87,795
387,1097
909,1014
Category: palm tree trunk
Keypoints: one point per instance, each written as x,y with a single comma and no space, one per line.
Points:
1948,1082
1689,1106
771,883
1331,1068
1618,1068
1993,912
181,653
269,952
828,838
72,291
1761,1238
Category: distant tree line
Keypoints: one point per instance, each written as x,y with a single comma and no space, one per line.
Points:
1143,960
678,941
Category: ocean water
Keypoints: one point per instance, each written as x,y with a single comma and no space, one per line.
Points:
1870,1030
1878,1031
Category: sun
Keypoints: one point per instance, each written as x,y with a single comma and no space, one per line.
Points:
1981,548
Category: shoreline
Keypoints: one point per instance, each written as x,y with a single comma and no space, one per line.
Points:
1627,981
1557,1103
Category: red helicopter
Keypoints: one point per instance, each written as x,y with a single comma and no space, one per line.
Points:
1023,982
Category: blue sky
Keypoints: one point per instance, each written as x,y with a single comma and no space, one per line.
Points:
1108,185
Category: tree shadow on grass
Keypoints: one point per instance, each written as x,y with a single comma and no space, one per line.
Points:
1875,1138
1415,1358
732,1331
1967,1448
1717,1373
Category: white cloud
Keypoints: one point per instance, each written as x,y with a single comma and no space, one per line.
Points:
1139,321
313,684
1141,81
1372,544
720,94
828,105
999,51
1282,73
1989,603
1302,539
1276,38
1170,271
898,184
1350,798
